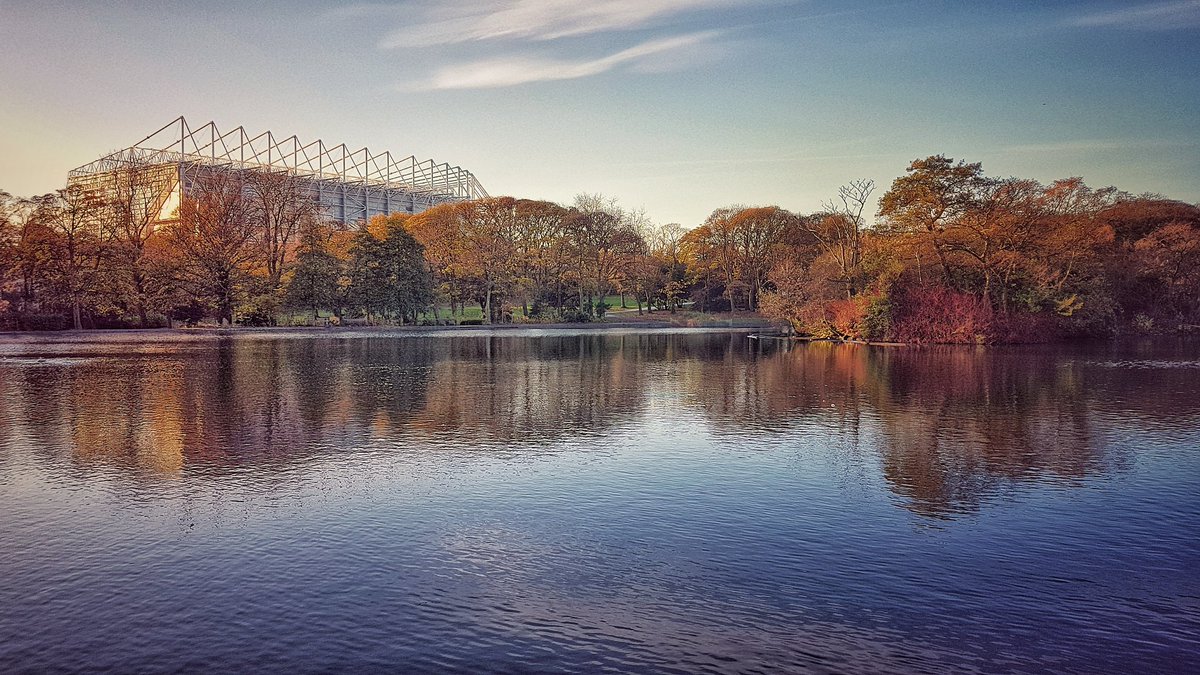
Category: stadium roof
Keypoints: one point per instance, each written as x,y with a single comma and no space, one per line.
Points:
178,142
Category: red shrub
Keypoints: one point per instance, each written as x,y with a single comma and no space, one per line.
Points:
936,314
942,315
845,316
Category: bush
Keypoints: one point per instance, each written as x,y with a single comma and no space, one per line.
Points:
110,321
189,314
844,317
942,315
537,310
255,317
471,322
575,315
877,319
44,322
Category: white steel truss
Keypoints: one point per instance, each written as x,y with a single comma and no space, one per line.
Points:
350,185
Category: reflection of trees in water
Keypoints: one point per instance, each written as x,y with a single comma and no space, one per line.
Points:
754,385
962,423
247,401
952,425
100,418
532,390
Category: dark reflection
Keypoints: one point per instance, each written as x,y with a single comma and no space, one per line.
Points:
247,401
955,425
951,427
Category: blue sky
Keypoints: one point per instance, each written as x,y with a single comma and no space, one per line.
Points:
674,106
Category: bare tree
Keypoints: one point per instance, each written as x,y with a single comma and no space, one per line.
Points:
281,204
215,237
77,244
839,230
136,195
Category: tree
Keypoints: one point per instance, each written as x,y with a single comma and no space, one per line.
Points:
441,231
389,275
1145,234
839,231
756,236
10,208
542,251
929,199
489,248
714,248
76,245
10,215
215,236
136,194
280,203
605,238
1170,256
314,283
29,251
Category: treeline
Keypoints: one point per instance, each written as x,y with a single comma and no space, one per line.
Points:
952,256
956,256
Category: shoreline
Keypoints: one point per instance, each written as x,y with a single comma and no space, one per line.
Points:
648,327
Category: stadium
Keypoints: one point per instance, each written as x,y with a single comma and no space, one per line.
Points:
349,185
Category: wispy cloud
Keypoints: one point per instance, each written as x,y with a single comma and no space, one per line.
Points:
452,23
1153,16
510,71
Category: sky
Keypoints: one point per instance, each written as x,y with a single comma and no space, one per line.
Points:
676,107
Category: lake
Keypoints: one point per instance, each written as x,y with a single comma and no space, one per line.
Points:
666,501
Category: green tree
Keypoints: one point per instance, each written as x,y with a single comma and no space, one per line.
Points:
389,276
314,283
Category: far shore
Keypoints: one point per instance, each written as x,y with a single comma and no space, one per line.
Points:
740,324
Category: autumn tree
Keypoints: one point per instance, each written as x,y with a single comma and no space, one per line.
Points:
930,198
1170,256
135,195
10,214
10,208
29,251
713,248
542,251
77,244
215,237
441,231
756,236
490,249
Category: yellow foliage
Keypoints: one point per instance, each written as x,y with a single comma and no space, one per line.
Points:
378,226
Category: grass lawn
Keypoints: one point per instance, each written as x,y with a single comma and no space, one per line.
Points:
469,313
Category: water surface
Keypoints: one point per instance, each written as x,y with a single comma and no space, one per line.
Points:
554,501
